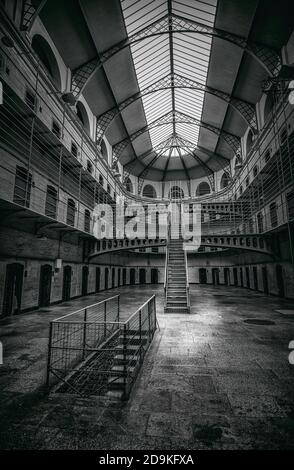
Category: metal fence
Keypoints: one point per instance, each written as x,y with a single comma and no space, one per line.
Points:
91,352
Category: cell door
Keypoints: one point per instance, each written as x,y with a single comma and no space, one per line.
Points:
142,276
45,285
66,283
265,280
215,277
85,275
13,289
106,278
202,276
97,286
154,276
235,274
255,278
247,277
227,276
132,277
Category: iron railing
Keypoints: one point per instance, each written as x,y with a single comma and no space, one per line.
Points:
92,352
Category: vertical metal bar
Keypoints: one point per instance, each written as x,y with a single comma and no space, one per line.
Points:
149,323
85,334
140,333
49,355
155,316
105,317
125,368
118,307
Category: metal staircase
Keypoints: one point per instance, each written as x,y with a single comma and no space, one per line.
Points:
177,299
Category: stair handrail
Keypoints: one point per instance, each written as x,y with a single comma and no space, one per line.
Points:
166,262
187,280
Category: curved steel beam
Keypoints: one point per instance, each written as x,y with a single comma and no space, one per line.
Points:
267,58
244,109
30,14
232,140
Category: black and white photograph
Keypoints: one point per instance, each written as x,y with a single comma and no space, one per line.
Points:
146,231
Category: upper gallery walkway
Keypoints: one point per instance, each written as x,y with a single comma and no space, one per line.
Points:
210,379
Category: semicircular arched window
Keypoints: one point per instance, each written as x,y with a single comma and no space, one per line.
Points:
129,185
149,191
176,193
202,189
44,52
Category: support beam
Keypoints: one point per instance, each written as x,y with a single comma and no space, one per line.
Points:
232,140
268,58
245,109
30,14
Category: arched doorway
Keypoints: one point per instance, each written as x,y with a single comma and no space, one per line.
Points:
142,276
45,285
106,274
13,289
85,275
132,276
118,277
247,277
97,284
241,277
280,280
235,274
124,276
255,278
215,276
113,277
227,276
202,276
67,272
154,276
265,280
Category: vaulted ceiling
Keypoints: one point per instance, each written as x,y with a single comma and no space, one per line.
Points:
177,80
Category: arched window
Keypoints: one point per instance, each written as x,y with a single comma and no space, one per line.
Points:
249,142
202,189
87,220
70,216
224,180
176,193
101,180
149,191
129,185
51,202
83,116
104,151
47,57
268,107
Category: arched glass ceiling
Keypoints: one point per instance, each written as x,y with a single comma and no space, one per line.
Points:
185,54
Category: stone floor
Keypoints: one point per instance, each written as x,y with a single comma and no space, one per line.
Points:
209,380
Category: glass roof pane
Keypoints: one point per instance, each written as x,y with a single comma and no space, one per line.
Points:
182,53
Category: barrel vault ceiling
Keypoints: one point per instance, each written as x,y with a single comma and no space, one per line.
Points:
176,125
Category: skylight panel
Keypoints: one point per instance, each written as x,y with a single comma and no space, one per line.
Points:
182,53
